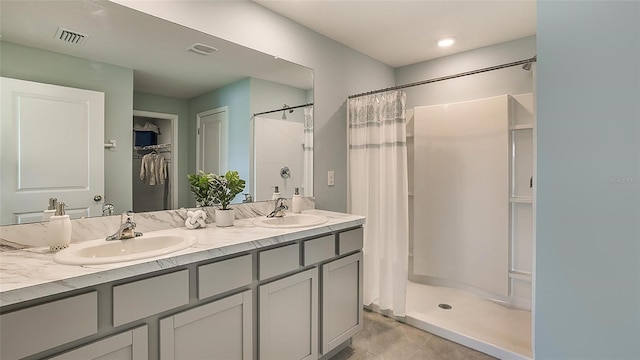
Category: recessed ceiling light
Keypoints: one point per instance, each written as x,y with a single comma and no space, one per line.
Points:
446,42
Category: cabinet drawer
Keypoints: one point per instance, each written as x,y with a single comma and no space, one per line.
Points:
142,298
278,261
320,249
32,330
216,278
349,241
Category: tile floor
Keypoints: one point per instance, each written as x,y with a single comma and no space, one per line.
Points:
384,338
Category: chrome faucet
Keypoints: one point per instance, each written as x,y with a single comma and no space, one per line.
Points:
125,231
279,209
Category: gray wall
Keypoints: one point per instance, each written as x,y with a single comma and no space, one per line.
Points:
26,63
180,107
338,72
587,277
512,80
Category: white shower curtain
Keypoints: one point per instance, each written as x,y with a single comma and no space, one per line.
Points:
307,153
377,189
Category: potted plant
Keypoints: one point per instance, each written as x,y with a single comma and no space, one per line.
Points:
225,189
201,186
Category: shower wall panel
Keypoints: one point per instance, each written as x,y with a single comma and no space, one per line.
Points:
279,144
461,193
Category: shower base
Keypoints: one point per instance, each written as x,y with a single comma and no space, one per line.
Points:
472,321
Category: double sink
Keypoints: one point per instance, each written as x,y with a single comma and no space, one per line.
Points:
99,251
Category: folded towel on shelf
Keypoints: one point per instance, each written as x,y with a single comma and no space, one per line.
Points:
146,127
195,219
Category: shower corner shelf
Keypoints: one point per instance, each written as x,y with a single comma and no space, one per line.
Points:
520,275
521,127
521,200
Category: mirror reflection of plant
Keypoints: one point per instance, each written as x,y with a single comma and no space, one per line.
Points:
201,186
226,188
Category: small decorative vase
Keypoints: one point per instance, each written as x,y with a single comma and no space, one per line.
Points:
224,217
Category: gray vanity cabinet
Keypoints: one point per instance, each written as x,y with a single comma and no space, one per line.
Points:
298,300
288,317
218,330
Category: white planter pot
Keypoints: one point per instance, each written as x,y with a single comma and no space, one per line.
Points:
224,217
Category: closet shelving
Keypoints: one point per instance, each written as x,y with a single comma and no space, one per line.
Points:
153,147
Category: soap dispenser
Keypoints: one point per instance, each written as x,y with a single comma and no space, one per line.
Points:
60,229
276,193
51,210
296,202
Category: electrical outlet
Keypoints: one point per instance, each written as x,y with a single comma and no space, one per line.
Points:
331,178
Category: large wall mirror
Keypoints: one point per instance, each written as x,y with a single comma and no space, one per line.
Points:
189,96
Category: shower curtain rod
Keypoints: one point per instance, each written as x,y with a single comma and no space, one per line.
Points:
283,109
448,77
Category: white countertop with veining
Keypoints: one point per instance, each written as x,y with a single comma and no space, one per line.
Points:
31,273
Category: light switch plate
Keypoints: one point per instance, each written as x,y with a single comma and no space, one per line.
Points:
331,179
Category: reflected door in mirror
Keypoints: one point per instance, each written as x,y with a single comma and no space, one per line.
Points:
212,141
52,146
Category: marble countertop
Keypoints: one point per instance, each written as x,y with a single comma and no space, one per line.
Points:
31,273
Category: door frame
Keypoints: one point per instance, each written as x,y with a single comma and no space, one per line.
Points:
224,134
174,149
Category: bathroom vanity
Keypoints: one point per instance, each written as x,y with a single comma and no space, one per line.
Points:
243,292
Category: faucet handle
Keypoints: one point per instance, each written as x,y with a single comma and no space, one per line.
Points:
127,217
281,202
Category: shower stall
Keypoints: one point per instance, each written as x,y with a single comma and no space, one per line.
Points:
470,211
470,173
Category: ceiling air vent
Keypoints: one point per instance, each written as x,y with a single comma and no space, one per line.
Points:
71,37
202,49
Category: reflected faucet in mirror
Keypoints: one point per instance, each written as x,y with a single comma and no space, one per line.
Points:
108,209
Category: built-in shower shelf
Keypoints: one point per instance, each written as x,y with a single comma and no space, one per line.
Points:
521,127
521,200
520,275
409,135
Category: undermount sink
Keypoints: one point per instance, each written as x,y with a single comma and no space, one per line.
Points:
290,221
107,252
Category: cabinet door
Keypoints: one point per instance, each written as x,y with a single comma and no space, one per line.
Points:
341,300
131,345
218,330
288,316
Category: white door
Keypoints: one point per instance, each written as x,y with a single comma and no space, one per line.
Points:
52,146
212,141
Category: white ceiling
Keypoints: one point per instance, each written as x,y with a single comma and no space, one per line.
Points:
154,48
400,32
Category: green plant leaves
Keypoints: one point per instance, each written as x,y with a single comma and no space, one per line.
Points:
201,187
210,189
